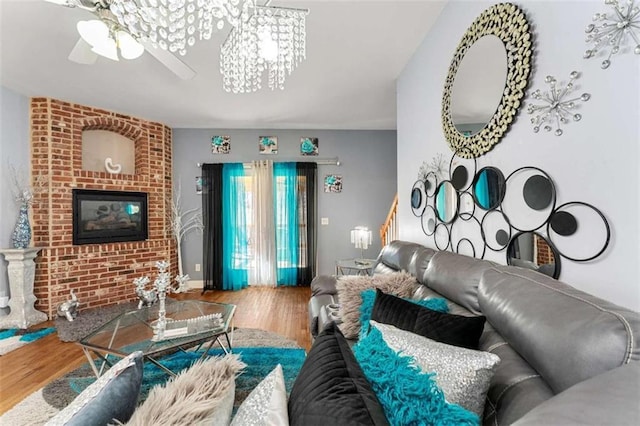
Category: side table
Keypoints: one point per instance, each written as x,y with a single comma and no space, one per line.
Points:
22,273
355,266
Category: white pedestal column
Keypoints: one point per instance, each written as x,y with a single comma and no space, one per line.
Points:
22,273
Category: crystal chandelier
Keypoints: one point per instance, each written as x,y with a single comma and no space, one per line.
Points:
267,39
174,24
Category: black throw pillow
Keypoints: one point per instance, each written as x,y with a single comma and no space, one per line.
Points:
451,329
331,388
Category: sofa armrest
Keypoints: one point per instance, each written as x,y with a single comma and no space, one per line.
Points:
323,284
608,398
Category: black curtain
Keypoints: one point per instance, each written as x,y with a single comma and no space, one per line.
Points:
212,218
310,172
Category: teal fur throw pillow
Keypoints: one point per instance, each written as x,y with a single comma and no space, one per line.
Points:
369,298
408,396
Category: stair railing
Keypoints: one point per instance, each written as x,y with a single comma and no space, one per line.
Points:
389,230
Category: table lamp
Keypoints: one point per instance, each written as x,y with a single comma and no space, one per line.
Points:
361,237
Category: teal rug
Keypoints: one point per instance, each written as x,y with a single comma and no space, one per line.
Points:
15,338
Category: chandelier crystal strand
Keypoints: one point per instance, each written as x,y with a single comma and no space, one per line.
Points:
267,40
172,24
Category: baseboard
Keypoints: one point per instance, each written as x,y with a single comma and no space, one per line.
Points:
199,284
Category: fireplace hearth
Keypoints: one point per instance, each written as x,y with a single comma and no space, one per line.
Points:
109,216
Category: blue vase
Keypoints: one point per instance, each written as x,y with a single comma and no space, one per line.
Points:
21,237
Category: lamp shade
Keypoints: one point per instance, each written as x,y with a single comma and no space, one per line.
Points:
94,32
129,47
361,237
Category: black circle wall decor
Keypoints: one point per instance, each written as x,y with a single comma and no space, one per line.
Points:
466,206
488,188
462,172
418,198
496,231
563,223
465,242
533,251
529,199
573,226
538,192
446,202
431,184
429,220
441,236
471,231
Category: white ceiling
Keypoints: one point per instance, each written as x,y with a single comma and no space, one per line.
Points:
355,52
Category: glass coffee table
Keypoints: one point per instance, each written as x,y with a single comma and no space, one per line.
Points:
191,322
355,266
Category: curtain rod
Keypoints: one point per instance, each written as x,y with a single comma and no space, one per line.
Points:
335,161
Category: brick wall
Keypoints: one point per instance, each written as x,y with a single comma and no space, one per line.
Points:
100,274
544,252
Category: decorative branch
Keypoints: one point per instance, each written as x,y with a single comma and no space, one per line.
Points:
182,222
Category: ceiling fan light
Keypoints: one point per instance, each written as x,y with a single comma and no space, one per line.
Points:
129,47
94,32
107,49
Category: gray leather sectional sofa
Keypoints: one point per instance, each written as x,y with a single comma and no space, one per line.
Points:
567,357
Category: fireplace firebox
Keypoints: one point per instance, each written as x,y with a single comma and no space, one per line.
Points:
109,216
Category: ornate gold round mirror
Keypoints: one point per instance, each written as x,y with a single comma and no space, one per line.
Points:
490,119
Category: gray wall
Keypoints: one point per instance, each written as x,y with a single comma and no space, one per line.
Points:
595,160
14,151
367,166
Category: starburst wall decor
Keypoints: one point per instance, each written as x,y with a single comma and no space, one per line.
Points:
612,31
558,105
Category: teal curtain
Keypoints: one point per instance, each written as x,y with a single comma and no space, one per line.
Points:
235,238
287,225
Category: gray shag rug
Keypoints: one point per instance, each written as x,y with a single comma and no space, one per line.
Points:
89,320
45,403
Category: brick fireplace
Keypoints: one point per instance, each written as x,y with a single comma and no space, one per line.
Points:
99,274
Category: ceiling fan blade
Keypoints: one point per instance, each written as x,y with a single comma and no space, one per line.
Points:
170,61
82,53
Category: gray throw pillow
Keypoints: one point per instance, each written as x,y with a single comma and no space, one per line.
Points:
113,396
463,374
349,287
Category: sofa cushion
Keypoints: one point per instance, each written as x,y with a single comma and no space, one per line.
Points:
400,284
451,329
397,256
456,277
112,396
610,398
528,309
331,387
323,284
408,395
201,394
369,298
266,404
462,374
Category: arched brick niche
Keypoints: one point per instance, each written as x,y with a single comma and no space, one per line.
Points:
100,274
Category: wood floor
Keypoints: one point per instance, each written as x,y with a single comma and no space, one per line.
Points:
281,310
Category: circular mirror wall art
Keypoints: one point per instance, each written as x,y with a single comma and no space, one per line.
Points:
508,23
579,231
467,206
529,199
466,238
532,251
462,172
429,220
496,231
446,202
488,188
418,198
441,237
431,184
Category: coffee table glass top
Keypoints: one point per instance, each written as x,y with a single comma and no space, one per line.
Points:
133,331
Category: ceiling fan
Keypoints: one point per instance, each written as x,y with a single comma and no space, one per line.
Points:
106,37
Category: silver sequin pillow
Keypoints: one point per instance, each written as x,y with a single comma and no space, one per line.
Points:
462,374
266,404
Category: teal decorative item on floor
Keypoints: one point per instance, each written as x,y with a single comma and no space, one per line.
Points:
15,338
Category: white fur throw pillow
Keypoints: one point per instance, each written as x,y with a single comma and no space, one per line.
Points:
400,284
202,394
